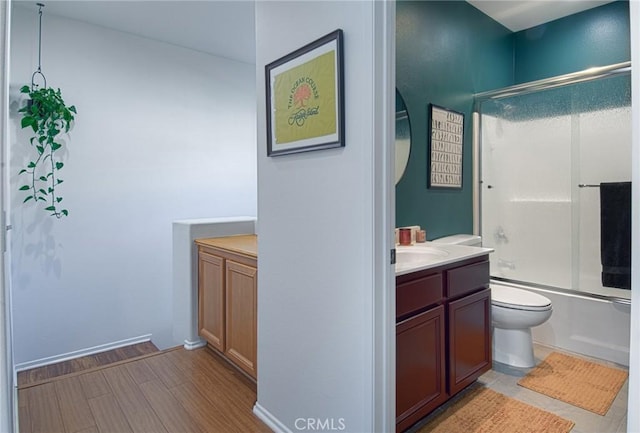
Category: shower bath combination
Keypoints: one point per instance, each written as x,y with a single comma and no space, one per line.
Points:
541,152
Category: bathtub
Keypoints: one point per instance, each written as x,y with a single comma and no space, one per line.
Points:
583,324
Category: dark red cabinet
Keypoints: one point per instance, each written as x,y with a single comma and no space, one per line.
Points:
443,335
469,339
420,365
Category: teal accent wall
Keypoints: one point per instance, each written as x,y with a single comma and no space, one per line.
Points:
595,37
446,51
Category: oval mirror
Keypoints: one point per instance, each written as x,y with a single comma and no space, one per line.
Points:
403,137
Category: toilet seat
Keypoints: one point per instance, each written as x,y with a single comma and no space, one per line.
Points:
518,299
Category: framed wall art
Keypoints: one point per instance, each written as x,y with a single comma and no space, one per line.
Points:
305,98
446,139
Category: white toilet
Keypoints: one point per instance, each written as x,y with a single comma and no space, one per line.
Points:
514,312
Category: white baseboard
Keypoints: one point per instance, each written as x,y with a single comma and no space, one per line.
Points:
272,422
191,345
80,353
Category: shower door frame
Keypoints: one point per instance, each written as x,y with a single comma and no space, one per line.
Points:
586,75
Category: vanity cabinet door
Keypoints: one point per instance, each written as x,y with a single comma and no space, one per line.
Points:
211,299
241,341
469,339
420,366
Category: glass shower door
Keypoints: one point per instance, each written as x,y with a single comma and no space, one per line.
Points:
536,149
526,190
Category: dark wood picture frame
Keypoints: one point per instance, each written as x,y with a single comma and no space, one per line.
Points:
446,148
306,87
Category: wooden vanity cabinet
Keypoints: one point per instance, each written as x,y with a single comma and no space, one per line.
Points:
443,335
227,298
469,325
211,300
420,365
241,317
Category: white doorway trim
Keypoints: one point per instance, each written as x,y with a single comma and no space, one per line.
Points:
8,417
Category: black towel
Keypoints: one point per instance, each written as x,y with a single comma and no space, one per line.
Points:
615,234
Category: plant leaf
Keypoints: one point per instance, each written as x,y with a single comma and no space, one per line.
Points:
40,149
31,165
43,178
25,89
27,121
25,188
22,171
59,165
65,212
55,146
58,199
42,191
51,208
27,199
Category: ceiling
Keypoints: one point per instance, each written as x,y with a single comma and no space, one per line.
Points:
519,15
226,27
223,28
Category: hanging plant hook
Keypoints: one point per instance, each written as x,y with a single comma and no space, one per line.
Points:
38,71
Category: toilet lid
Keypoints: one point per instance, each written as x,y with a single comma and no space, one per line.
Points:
510,297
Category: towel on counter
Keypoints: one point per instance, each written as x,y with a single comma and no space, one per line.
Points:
615,234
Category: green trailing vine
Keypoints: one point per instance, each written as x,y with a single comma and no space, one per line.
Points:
49,117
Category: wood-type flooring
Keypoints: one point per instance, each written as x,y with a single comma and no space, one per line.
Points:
40,374
173,391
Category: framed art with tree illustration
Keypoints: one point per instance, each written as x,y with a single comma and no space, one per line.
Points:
446,139
305,98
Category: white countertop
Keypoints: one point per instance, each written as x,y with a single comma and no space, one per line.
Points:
421,256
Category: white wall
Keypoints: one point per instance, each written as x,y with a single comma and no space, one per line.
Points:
325,283
162,133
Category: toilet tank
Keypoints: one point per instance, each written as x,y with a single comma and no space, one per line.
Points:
461,239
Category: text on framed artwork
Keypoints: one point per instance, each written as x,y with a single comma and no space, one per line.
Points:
446,143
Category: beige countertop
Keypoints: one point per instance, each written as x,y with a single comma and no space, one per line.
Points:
242,244
421,256
417,257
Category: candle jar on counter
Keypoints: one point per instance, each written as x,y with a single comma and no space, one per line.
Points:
405,236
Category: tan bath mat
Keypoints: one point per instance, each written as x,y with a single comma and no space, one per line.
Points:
482,410
576,381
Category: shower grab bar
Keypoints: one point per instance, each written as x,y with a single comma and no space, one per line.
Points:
586,185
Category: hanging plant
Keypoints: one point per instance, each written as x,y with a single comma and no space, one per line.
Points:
49,117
